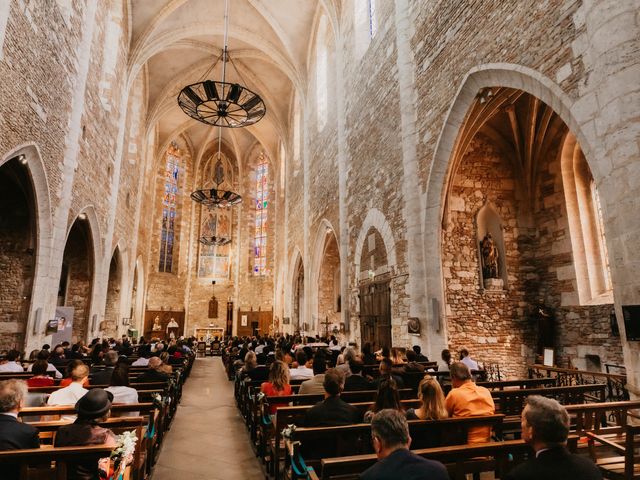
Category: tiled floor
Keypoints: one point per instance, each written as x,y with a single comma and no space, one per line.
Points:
208,439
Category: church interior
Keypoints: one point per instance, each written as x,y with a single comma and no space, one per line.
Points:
458,175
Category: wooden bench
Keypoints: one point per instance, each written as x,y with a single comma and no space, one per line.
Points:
626,465
48,430
31,461
314,444
155,426
460,460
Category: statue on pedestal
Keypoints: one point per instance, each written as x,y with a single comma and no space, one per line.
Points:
490,257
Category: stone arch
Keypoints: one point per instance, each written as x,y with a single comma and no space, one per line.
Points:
325,234
80,272
39,294
441,168
112,318
375,219
296,285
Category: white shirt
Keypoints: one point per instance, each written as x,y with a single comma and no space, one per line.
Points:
301,373
11,414
50,368
67,396
11,367
472,364
141,362
123,394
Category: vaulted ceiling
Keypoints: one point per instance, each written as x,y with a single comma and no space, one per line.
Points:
176,42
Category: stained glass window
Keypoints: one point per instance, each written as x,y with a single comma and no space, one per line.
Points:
262,210
167,235
373,19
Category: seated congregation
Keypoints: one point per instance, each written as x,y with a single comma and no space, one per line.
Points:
321,411
84,413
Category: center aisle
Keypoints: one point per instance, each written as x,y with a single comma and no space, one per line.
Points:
208,438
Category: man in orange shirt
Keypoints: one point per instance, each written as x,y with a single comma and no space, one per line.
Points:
466,399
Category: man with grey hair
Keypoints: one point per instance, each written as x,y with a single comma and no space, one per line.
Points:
391,441
545,426
14,435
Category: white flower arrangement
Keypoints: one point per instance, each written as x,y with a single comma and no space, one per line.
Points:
123,452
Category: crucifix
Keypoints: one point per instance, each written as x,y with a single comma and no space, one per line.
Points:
326,324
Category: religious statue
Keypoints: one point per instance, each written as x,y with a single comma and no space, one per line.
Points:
156,325
490,257
172,328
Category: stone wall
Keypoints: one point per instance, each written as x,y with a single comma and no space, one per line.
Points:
491,324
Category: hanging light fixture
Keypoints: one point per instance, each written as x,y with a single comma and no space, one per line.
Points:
222,104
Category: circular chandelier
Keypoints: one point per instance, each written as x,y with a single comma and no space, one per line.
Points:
221,104
214,240
215,197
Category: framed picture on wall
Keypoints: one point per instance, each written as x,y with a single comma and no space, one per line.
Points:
548,357
126,321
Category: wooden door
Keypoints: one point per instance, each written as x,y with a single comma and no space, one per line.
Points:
375,314
256,322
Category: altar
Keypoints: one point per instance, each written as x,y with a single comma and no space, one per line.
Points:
207,334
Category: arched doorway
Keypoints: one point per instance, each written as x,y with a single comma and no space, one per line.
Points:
297,307
329,302
522,234
17,251
76,279
374,291
112,309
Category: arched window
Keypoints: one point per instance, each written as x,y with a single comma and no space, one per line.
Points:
322,60
262,210
586,227
214,260
167,234
365,24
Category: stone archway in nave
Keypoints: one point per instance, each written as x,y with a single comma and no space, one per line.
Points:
76,279
17,251
522,234
374,292
112,320
329,298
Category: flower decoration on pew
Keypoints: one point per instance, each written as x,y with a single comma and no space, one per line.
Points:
122,454
288,431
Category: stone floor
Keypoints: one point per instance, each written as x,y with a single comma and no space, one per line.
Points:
208,439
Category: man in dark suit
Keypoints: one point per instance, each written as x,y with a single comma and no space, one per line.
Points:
545,426
14,435
391,441
332,411
102,375
356,380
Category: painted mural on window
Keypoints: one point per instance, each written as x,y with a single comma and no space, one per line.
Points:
169,208
214,260
262,211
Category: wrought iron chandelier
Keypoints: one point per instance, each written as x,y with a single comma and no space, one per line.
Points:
222,104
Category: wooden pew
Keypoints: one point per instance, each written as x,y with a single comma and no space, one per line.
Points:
314,444
511,402
597,417
626,464
117,425
156,424
508,402
62,456
499,457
